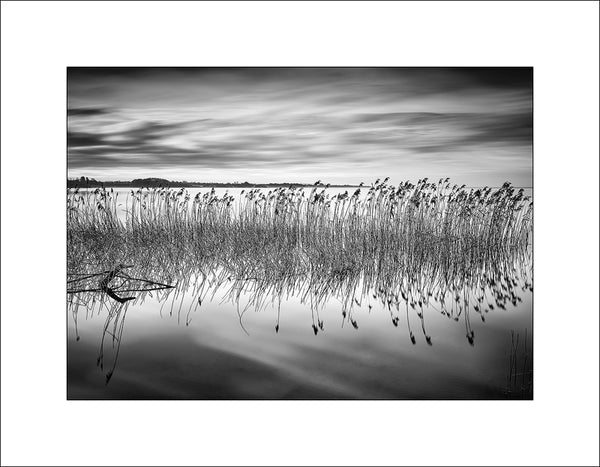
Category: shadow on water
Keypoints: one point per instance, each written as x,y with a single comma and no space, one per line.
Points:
412,251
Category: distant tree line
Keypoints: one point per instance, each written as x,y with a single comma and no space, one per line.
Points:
153,182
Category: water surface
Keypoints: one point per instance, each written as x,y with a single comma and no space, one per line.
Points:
168,344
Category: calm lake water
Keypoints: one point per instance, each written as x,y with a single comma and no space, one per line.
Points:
175,348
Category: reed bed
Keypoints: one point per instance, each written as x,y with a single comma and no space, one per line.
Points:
407,246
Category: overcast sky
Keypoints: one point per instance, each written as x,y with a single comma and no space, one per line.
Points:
340,125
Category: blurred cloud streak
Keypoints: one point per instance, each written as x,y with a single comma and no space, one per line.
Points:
343,125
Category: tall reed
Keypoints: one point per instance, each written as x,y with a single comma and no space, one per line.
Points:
408,245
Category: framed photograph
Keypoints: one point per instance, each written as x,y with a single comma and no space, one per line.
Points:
300,233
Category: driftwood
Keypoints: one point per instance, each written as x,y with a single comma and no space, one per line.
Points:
107,280
108,277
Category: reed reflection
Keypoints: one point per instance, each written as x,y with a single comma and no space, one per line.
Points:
410,250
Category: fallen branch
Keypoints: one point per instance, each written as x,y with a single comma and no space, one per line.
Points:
106,289
104,285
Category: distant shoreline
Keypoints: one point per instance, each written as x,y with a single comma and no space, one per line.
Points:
170,184
163,183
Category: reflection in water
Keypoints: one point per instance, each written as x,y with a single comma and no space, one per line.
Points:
82,288
519,379
411,250
496,282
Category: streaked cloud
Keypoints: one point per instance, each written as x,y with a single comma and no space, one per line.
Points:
271,124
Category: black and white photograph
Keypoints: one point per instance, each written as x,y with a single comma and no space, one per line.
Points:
300,233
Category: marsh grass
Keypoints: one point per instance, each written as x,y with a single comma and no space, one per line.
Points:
408,247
